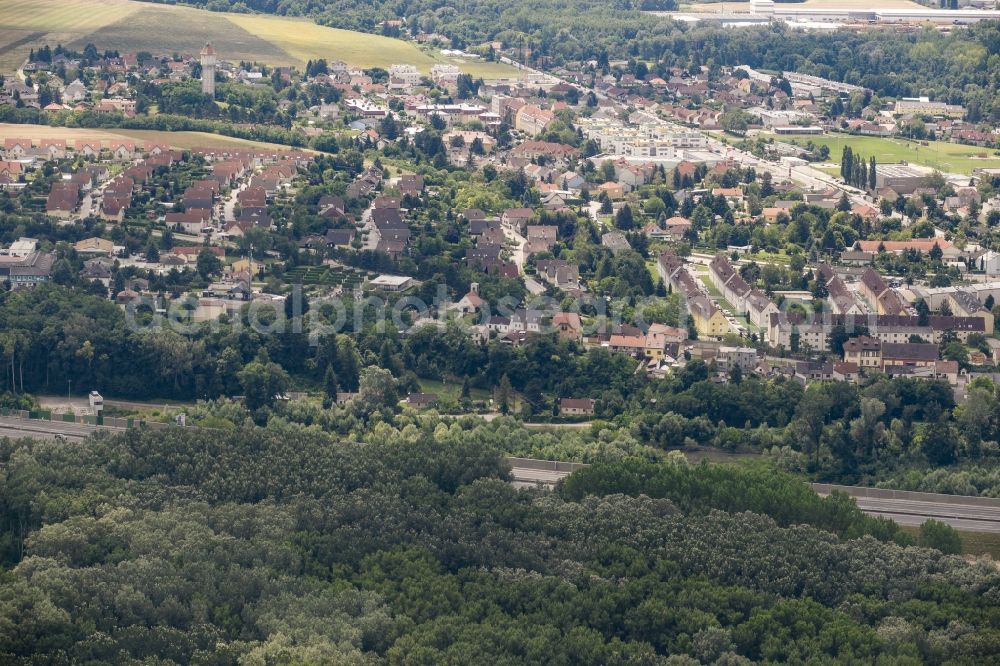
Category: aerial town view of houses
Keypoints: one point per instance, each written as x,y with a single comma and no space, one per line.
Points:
760,236
713,186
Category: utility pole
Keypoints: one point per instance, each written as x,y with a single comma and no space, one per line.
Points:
69,394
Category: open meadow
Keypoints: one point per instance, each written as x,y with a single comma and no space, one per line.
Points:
181,140
940,155
136,26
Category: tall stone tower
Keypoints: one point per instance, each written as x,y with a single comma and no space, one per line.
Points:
208,70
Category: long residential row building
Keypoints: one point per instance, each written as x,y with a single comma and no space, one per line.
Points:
747,300
814,332
709,320
891,323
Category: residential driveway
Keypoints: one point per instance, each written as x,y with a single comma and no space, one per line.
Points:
517,254
533,286
229,205
370,233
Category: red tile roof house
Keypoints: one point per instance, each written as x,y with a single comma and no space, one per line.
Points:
113,208
576,407
252,197
568,324
191,221
62,200
156,148
16,148
56,148
516,218
121,186
678,226
190,252
530,150
88,148
412,185
541,237
122,150
83,179
686,168
10,169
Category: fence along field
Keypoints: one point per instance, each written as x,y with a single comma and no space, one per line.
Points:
135,26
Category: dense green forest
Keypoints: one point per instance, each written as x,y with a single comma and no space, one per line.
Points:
960,67
283,545
835,431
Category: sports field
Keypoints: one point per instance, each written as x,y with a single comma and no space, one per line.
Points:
174,139
129,26
940,155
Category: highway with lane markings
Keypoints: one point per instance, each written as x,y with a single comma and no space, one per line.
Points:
970,514
41,429
906,512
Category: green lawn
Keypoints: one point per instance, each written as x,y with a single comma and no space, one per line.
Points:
765,257
161,28
717,295
724,304
940,155
451,389
653,268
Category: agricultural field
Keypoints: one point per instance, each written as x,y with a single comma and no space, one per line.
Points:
25,23
304,40
327,276
180,140
940,155
135,26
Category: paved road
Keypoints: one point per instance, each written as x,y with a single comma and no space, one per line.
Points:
532,478
915,514
532,473
10,427
959,512
962,516
966,517
229,204
803,175
524,477
368,231
517,255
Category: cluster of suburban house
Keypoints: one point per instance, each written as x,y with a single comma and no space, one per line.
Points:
658,136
